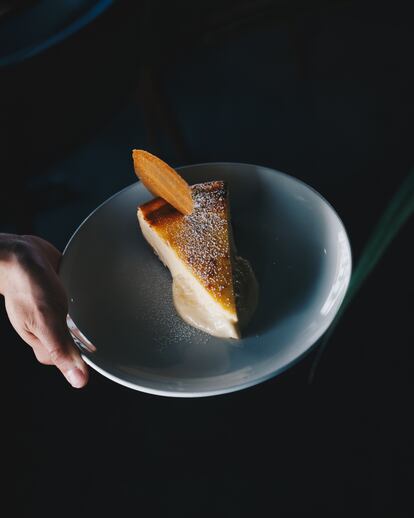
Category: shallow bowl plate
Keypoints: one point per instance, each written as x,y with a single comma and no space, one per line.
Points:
120,296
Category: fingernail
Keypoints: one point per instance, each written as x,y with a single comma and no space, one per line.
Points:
75,377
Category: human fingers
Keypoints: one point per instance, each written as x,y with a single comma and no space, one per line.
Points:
58,344
46,332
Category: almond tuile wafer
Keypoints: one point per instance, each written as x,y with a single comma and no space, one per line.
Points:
162,180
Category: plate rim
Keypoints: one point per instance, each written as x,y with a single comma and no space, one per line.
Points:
310,343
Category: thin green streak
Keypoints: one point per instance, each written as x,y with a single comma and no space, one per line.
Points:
397,213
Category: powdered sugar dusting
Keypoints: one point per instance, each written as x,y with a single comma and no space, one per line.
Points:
201,239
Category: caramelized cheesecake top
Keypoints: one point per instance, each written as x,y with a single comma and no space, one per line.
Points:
202,239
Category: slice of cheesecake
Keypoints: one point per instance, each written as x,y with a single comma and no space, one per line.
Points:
199,252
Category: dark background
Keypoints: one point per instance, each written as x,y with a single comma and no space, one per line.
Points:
320,90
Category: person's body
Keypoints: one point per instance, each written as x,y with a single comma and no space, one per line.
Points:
36,303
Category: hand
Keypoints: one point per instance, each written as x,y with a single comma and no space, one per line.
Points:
36,303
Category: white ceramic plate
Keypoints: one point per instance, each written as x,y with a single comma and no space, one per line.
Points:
120,293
